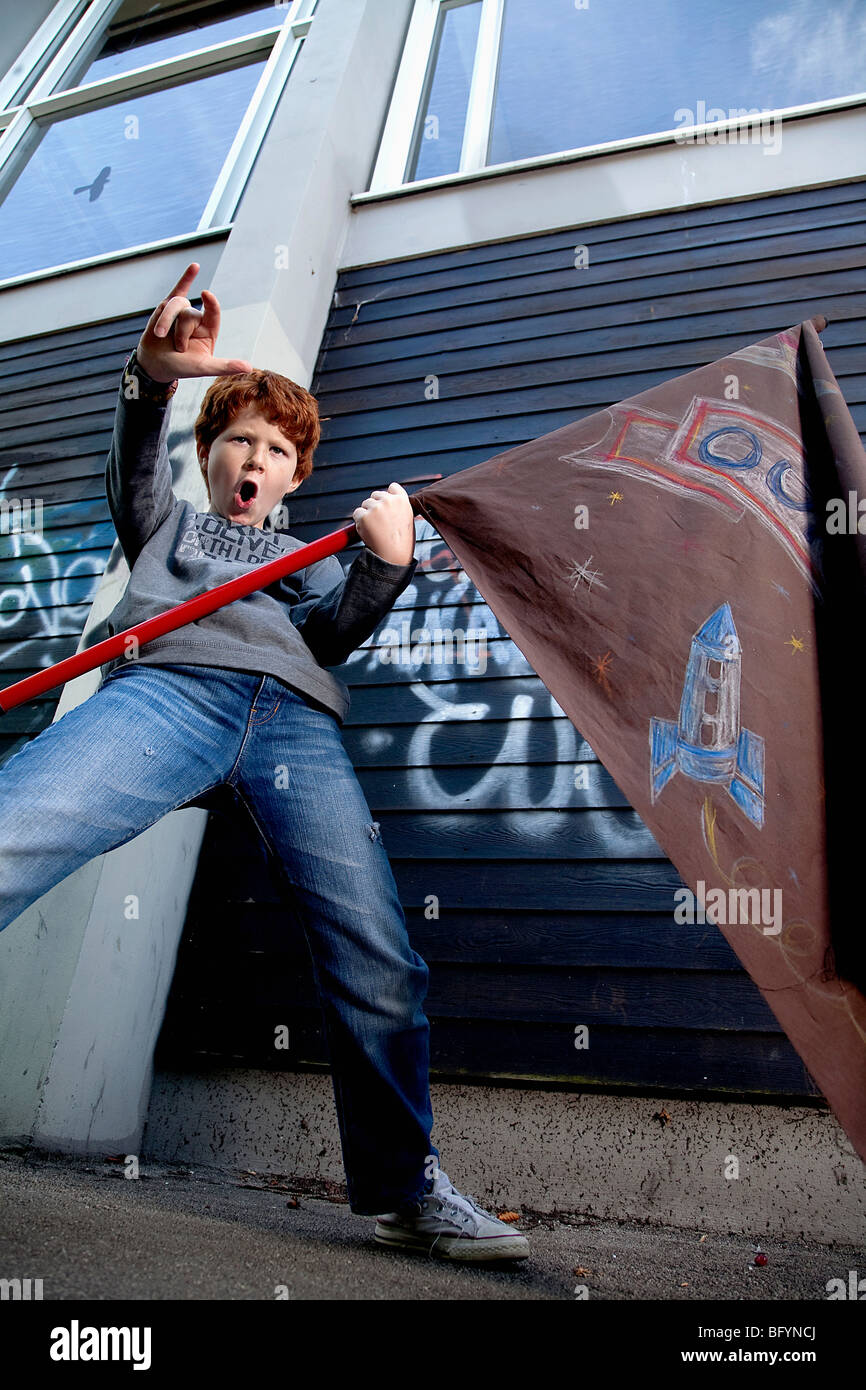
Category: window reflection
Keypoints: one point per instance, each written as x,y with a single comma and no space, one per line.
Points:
130,173
571,77
439,139
143,32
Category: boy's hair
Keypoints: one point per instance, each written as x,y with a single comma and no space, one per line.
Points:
288,406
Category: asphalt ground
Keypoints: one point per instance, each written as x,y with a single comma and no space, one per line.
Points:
176,1235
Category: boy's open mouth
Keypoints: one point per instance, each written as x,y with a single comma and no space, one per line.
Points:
246,493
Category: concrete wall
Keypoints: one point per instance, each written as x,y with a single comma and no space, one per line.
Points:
611,1157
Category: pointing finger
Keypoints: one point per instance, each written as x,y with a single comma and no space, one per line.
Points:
186,279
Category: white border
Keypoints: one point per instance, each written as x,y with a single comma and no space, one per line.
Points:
479,111
637,142
399,128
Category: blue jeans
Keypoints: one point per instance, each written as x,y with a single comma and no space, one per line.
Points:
153,738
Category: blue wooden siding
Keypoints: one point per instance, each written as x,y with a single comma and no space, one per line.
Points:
57,397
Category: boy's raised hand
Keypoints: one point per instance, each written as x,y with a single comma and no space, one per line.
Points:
179,341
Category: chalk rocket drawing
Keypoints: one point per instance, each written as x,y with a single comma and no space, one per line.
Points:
707,743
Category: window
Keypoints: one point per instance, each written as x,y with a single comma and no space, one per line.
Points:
141,33
488,82
139,124
439,136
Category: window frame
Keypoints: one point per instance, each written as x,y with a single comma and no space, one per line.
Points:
75,28
411,85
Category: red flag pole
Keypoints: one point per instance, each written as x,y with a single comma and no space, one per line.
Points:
182,613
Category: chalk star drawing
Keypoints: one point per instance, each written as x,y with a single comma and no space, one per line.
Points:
601,666
583,571
794,643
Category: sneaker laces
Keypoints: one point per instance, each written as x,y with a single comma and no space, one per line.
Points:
451,1194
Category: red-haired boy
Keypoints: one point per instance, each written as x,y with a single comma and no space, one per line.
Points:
243,698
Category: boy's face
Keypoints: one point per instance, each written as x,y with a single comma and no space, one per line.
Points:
250,467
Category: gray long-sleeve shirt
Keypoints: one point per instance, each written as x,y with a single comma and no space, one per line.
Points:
293,629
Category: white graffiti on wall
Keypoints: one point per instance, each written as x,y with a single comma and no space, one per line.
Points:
53,612
510,779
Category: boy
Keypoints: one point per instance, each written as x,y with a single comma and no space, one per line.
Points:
242,698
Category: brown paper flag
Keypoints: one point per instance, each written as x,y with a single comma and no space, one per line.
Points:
685,573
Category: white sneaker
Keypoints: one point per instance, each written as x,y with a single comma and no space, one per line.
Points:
453,1227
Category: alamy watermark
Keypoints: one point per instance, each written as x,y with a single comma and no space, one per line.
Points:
737,906
20,1290
855,1289
754,126
846,518
423,646
20,516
